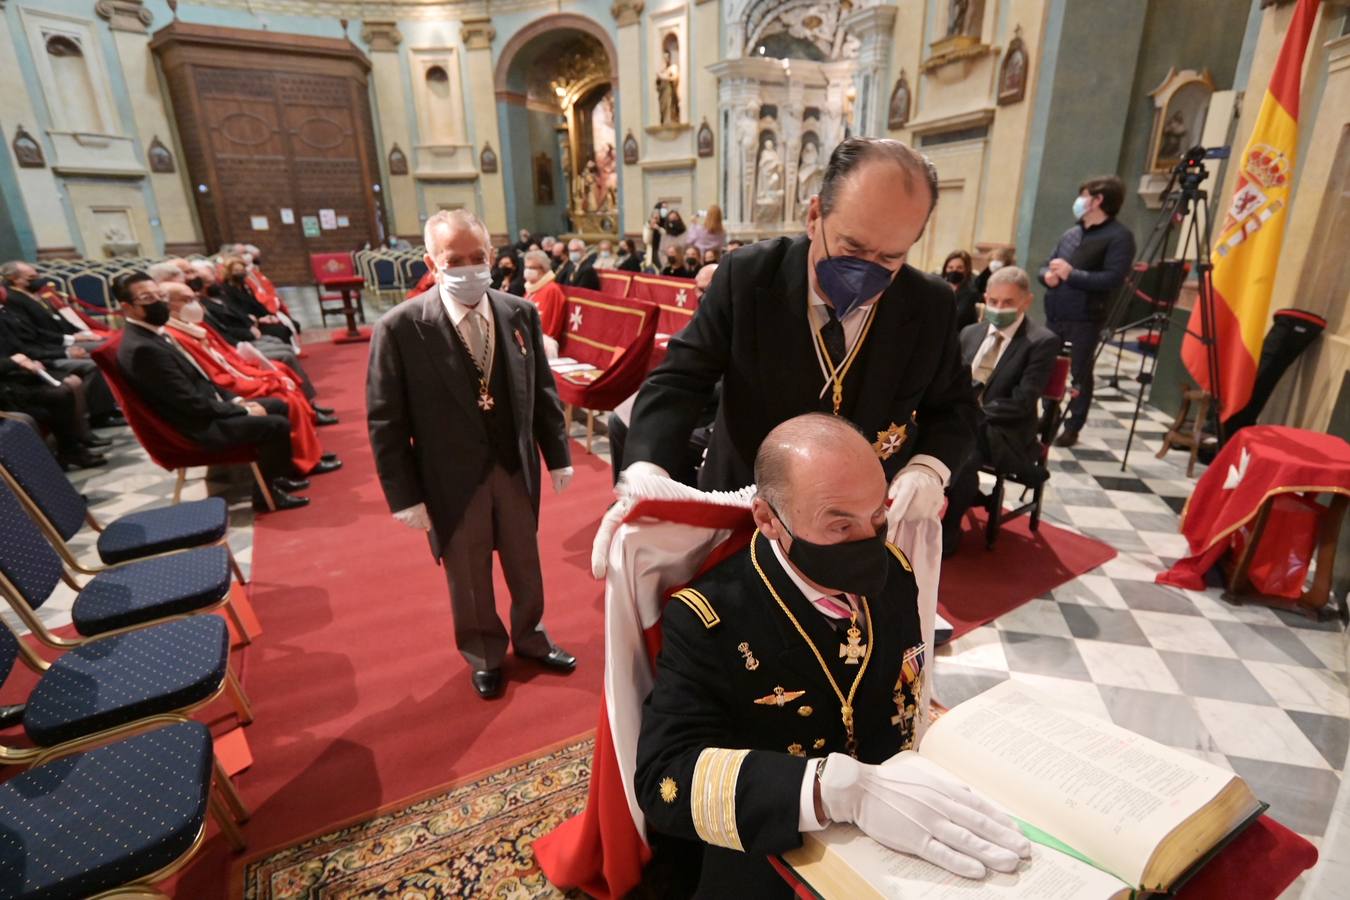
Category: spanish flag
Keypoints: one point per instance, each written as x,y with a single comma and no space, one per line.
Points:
1247,250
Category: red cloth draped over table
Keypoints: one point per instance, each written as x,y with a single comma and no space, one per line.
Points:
672,535
228,370
1258,462
613,336
615,284
674,297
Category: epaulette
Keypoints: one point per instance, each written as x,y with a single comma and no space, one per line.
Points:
699,604
898,554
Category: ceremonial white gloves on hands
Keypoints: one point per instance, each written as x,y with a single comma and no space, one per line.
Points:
415,517
614,517
561,478
907,805
916,493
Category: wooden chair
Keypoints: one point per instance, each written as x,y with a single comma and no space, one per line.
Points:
1190,435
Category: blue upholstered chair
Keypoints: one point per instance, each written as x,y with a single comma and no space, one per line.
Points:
125,815
127,596
107,683
62,511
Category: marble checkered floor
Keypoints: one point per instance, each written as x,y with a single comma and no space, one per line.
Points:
1264,693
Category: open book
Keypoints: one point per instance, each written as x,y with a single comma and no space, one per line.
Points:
1109,811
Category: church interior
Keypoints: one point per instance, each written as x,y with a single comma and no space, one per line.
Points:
342,742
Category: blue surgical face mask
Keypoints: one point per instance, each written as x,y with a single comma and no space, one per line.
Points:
849,280
574,256
1080,206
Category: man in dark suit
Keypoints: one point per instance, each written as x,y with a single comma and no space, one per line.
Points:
1010,358
169,382
579,270
59,344
461,403
832,321
792,674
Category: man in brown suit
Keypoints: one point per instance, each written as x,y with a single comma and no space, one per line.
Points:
460,404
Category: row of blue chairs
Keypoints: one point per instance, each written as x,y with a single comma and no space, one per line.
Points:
91,280
118,782
390,273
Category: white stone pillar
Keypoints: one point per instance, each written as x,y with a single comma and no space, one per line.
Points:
874,27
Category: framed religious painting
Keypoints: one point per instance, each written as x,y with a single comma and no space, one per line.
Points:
161,160
27,151
705,140
630,150
398,161
487,160
1180,107
1012,74
897,114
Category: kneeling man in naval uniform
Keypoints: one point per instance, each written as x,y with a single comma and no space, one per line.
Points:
790,679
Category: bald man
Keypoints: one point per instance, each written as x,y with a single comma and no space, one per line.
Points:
790,677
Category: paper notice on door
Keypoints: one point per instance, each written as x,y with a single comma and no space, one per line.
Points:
258,223
343,222
287,216
328,219
311,226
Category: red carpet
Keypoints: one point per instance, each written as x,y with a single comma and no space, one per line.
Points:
359,695
979,585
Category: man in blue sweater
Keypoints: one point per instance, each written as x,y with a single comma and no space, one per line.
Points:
1089,264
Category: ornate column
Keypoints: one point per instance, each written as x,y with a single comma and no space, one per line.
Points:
628,45
874,27
790,121
477,35
382,39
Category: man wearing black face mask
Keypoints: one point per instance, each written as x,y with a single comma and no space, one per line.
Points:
832,321
792,674
181,394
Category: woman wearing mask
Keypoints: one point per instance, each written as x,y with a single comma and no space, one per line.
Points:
629,258
956,272
674,267
692,263
708,236
1000,257
239,296
543,291
507,276
604,257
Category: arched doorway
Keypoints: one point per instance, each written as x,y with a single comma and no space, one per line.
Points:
556,83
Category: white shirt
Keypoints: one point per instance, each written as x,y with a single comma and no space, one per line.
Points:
988,342
457,311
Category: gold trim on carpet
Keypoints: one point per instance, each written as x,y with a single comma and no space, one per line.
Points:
473,837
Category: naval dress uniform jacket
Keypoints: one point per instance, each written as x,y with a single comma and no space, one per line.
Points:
907,389
715,766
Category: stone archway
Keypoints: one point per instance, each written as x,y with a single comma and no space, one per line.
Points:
555,84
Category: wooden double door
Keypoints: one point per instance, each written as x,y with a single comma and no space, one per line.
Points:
276,131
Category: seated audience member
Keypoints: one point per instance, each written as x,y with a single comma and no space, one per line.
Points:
525,240
617,427
506,276
674,267
732,245
1000,257
1011,358
168,381
43,334
166,272
710,257
725,759
230,371
630,258
55,403
266,291
241,299
541,289
557,256
604,256
956,272
692,261
579,270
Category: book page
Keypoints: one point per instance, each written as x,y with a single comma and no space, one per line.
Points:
1047,875
1109,793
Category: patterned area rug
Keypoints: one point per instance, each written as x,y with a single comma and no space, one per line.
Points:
471,839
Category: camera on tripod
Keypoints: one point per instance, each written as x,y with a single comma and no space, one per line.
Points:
1191,170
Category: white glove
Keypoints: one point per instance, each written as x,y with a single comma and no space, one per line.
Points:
907,805
615,515
415,517
916,494
561,478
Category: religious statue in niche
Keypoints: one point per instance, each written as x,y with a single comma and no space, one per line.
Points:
398,163
487,160
630,150
898,113
956,17
543,179
27,150
161,160
768,182
810,173
1181,105
1012,75
668,81
705,139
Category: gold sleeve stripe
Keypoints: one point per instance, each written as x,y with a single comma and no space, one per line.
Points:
712,801
700,605
895,551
